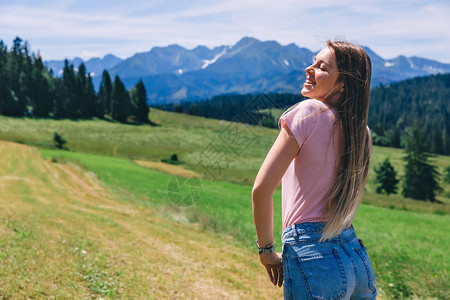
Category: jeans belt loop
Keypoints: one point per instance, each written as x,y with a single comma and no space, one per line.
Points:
294,231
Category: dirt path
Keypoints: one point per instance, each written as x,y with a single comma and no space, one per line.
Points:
168,168
62,234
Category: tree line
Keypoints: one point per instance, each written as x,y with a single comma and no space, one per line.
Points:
253,109
393,110
28,88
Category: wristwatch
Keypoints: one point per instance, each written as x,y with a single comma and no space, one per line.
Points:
267,249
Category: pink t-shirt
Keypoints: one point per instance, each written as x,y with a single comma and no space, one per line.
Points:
310,175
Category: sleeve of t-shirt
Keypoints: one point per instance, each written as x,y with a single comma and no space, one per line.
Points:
302,120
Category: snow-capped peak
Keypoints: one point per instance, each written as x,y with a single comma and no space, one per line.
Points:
388,64
208,62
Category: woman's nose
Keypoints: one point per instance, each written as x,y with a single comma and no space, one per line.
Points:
309,70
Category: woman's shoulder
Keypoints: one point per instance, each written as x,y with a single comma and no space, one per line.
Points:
312,104
310,111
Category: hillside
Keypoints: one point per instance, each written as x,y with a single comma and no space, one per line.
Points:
64,235
96,246
399,236
214,149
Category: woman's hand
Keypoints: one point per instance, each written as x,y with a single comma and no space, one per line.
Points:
274,166
274,266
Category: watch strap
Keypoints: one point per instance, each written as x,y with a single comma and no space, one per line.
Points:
267,249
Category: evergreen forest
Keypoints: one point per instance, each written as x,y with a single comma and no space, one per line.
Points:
28,88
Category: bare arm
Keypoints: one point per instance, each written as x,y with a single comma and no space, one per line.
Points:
275,164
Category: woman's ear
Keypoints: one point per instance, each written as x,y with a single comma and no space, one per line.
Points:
341,86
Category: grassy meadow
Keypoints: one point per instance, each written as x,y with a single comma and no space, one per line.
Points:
218,150
63,235
407,240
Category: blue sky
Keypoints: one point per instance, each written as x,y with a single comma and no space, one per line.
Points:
69,28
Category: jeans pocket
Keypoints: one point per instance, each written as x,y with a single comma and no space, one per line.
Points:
323,275
369,270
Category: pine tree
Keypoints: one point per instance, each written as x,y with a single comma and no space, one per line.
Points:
394,137
438,145
81,98
59,141
120,101
69,106
41,98
59,93
104,93
421,179
92,101
3,76
445,142
386,178
15,100
139,100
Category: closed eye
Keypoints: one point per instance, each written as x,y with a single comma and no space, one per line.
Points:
319,63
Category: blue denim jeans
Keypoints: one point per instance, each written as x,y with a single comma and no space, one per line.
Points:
338,268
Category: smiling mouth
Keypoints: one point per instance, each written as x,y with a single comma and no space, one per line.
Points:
309,81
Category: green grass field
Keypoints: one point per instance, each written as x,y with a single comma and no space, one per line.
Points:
63,235
407,240
219,149
409,249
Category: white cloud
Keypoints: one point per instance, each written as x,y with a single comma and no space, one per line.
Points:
85,55
81,28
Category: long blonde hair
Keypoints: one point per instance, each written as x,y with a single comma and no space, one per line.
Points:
355,145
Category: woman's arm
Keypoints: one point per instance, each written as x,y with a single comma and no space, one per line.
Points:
272,170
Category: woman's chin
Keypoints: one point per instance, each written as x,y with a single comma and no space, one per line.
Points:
306,92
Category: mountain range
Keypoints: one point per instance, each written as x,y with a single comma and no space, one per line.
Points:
173,73
94,65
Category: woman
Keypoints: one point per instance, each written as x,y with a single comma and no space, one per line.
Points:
321,157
